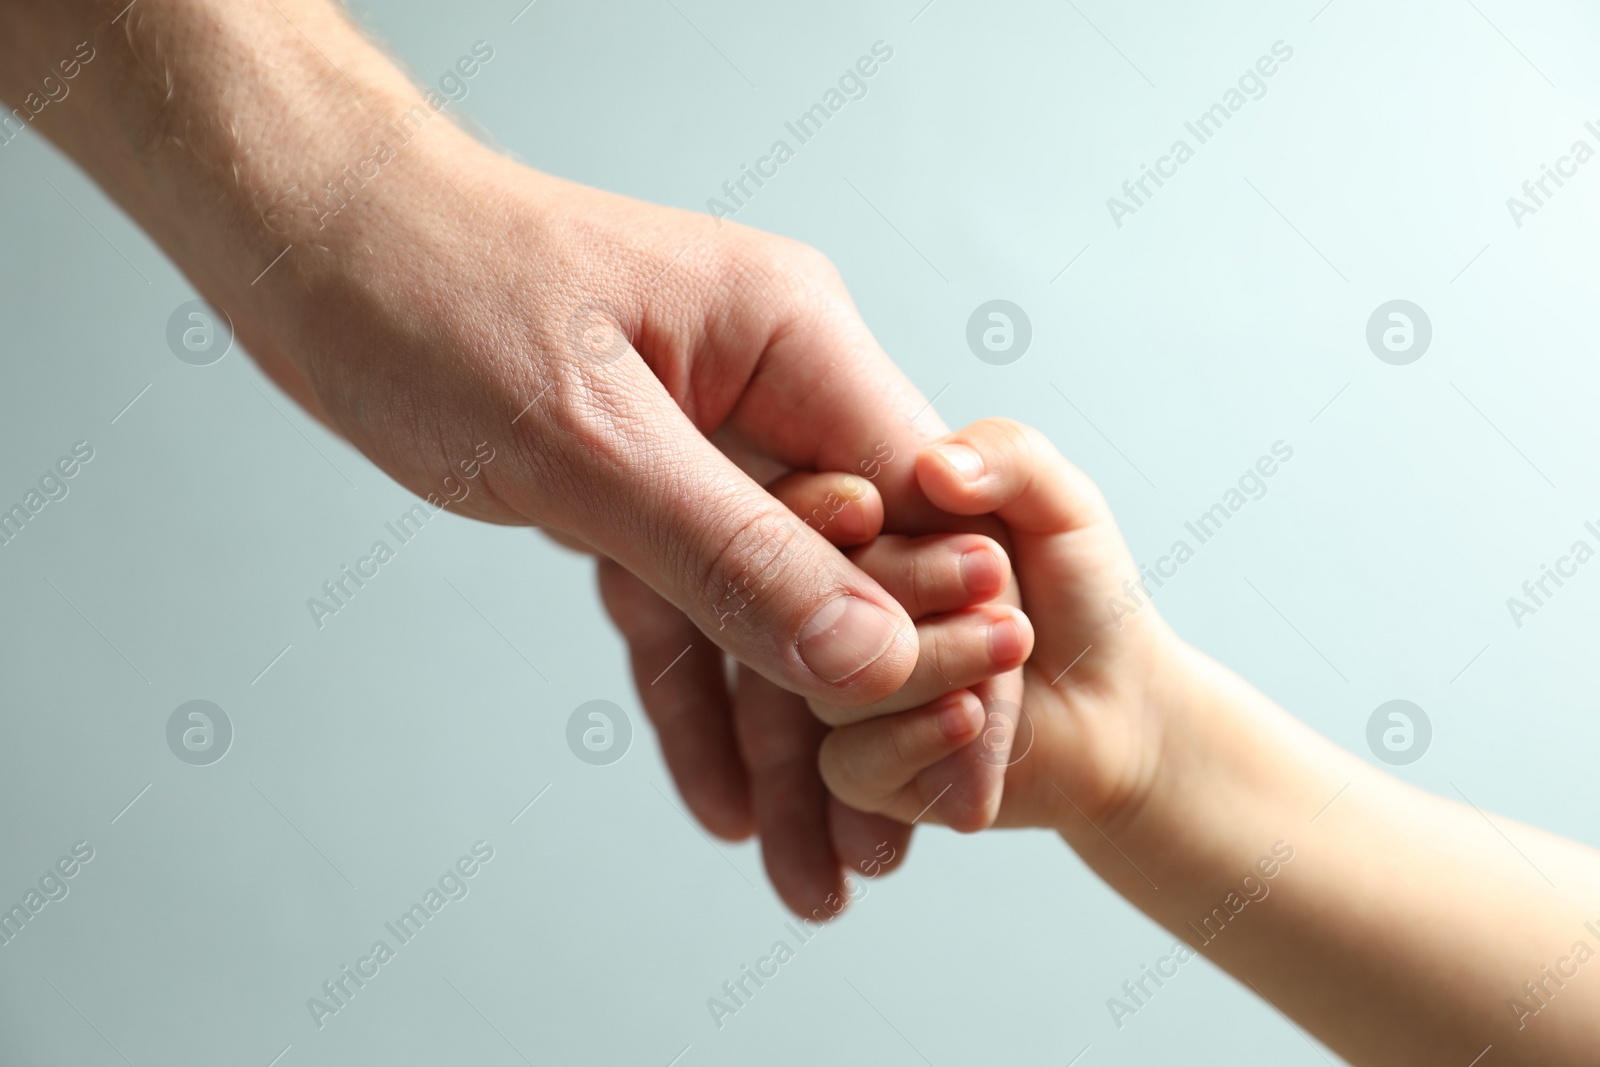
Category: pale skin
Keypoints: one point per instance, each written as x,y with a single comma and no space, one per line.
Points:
1405,925
431,312
642,374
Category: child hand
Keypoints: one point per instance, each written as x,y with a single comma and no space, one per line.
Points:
1089,735
1189,792
954,587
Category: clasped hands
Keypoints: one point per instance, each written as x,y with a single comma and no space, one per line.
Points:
702,407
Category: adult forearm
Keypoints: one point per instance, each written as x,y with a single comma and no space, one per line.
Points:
1397,926
191,112
267,147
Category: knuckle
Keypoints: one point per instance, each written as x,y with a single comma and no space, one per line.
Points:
900,748
758,553
941,652
932,663
814,264
798,259
916,578
848,769
1016,437
577,427
791,275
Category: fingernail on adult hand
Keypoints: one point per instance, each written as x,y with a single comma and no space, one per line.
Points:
845,635
964,460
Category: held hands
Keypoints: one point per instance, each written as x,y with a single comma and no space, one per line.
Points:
425,296
1091,731
617,354
1153,762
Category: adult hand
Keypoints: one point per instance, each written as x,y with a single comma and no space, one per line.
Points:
634,331
422,295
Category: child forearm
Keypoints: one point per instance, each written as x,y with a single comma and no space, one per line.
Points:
1396,926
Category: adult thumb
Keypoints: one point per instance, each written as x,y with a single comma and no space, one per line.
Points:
757,579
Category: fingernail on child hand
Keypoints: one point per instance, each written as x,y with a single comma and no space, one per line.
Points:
962,717
962,459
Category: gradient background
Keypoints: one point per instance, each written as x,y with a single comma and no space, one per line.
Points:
1229,313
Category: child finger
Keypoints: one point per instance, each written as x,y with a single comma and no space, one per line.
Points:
845,509
1013,470
868,764
935,574
955,650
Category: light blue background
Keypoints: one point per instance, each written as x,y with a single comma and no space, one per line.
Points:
1207,327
